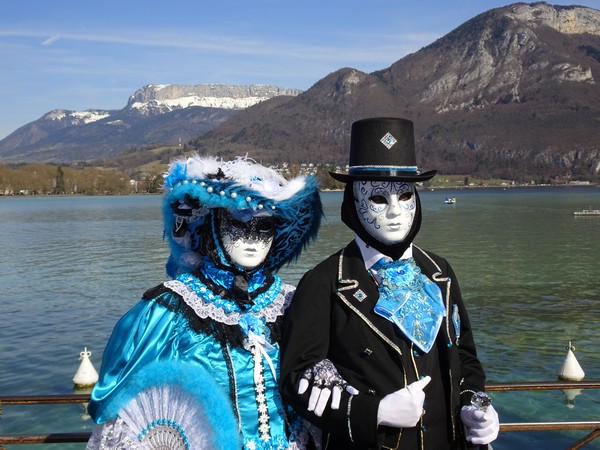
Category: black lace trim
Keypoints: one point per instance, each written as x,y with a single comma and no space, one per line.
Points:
231,377
224,293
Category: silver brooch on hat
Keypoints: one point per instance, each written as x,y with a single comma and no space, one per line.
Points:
388,140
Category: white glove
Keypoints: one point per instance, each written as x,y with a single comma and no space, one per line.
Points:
326,382
403,408
481,426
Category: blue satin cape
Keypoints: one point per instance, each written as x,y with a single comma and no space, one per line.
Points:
153,331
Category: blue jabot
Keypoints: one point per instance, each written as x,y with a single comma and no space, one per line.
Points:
410,300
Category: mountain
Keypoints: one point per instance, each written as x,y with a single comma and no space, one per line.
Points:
155,114
511,93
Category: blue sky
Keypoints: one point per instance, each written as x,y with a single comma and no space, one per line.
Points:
93,54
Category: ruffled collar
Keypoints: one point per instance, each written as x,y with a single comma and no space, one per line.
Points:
268,304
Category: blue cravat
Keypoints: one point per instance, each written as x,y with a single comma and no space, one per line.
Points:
410,300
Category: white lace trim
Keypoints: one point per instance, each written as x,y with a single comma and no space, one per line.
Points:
113,435
116,435
205,310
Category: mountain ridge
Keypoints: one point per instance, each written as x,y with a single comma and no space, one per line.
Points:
511,93
505,94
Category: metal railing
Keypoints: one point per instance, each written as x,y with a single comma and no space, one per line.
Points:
57,438
594,426
54,438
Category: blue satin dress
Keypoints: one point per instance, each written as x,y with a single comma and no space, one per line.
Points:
177,323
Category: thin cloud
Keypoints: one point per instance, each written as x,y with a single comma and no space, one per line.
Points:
51,40
227,44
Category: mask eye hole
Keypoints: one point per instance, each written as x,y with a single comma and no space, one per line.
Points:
378,199
238,224
265,226
405,196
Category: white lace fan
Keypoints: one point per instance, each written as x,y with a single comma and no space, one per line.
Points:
167,417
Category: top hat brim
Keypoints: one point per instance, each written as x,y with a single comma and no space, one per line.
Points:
386,176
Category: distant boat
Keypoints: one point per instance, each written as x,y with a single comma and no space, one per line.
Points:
588,212
450,200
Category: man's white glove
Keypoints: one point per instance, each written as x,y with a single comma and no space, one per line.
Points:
403,408
481,426
325,382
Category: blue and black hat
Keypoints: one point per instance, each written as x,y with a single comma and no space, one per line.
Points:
383,149
197,186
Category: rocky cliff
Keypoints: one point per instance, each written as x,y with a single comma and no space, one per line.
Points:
160,98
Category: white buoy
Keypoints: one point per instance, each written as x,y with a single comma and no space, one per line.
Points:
86,376
85,415
570,394
571,370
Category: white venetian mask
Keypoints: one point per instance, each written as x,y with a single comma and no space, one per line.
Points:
386,209
247,243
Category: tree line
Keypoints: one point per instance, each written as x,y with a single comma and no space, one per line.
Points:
48,179
51,179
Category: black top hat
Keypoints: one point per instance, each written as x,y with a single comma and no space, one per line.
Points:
383,149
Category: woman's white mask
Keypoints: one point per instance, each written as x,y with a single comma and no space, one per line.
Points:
247,243
386,209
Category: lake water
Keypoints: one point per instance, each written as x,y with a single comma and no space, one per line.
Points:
528,268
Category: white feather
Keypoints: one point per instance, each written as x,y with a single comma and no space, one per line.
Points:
246,172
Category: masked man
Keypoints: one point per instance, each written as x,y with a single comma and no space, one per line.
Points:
378,350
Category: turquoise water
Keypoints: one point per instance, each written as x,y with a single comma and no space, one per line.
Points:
528,269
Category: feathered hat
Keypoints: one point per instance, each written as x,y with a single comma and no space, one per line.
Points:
195,186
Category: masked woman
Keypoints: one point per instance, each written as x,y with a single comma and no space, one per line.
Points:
195,363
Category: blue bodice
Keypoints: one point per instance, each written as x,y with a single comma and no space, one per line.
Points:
163,328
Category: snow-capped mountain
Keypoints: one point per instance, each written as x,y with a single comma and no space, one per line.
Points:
156,113
160,98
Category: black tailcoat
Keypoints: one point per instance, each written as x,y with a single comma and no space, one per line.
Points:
332,317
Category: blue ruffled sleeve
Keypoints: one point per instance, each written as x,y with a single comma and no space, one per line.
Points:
145,334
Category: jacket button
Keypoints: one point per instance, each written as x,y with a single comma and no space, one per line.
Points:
371,392
367,352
